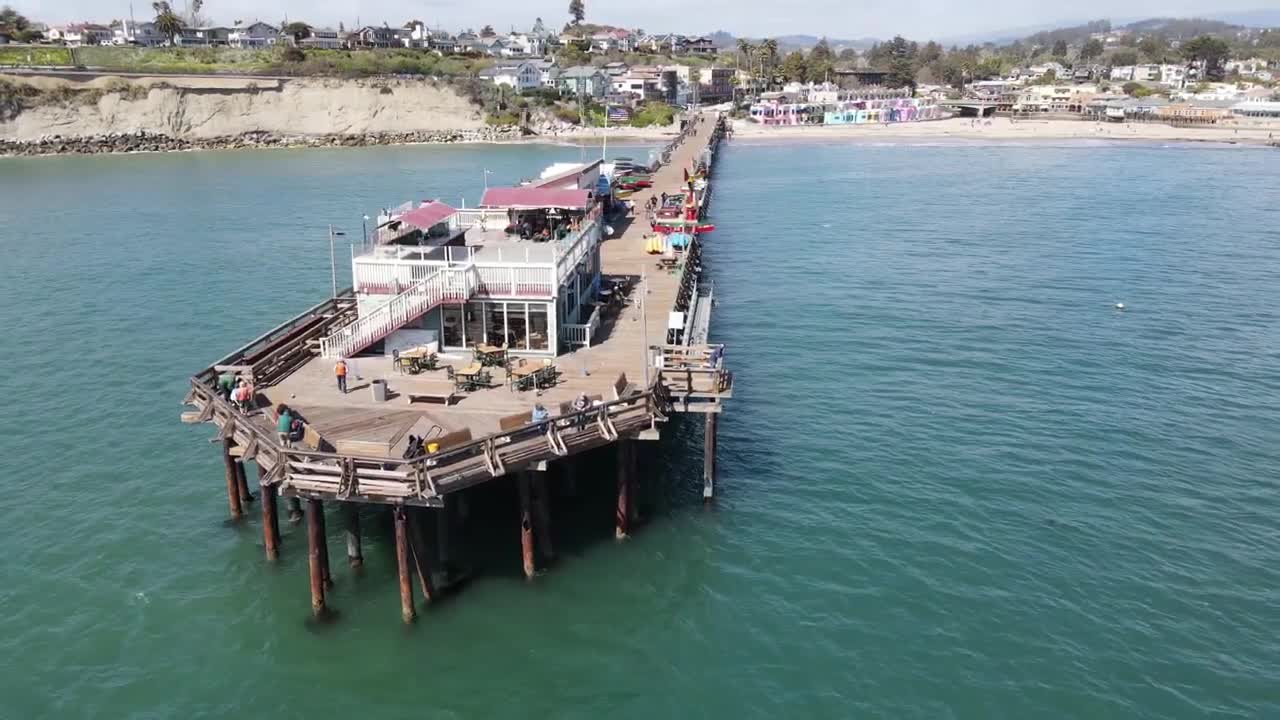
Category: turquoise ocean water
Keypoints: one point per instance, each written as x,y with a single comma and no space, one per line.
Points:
954,483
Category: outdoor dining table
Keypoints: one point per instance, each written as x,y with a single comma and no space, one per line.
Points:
416,359
471,377
525,376
491,355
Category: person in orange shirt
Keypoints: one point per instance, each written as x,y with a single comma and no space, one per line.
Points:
340,370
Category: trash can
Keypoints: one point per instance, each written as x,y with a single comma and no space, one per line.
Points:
379,390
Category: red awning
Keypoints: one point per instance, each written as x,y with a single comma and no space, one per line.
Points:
429,214
524,198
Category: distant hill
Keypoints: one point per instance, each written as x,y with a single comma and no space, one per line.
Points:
787,43
1249,18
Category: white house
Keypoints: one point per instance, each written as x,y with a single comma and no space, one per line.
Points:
80,34
584,80
1123,73
548,71
525,44
253,35
324,38
520,76
129,32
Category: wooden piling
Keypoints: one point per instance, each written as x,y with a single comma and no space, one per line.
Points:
270,519
355,557
326,570
233,480
407,612
526,524
622,518
542,516
315,555
242,482
709,458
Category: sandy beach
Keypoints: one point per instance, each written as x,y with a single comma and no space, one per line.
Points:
1003,130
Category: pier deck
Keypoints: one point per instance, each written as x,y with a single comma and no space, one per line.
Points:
354,449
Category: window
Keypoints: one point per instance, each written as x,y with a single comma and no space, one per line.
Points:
451,326
517,327
495,324
538,329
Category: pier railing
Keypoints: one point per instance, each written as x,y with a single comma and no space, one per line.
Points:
694,376
425,479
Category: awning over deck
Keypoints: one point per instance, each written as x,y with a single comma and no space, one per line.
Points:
430,213
528,198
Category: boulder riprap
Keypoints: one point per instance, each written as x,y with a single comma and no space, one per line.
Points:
142,141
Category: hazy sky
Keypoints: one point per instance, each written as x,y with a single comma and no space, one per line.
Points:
918,19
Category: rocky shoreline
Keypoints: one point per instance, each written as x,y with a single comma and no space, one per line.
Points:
143,141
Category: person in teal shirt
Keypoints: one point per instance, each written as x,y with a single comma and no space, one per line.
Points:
284,425
226,383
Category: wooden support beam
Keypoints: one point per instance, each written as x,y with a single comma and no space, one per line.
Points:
407,612
326,570
709,458
542,516
420,549
355,556
315,555
242,482
622,518
270,519
233,480
526,524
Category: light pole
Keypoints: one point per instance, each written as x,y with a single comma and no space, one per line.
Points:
364,231
487,173
333,263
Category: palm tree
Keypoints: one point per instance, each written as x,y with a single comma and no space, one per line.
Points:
167,21
769,59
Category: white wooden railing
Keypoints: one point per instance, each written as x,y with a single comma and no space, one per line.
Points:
574,334
571,249
443,285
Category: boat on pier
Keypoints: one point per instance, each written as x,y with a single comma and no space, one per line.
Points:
500,341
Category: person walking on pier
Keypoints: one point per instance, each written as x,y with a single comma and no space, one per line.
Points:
340,370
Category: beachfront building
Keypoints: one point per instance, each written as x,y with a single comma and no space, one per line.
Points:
894,110
323,38
372,36
254,35
520,76
81,34
1055,98
848,109
1257,109
583,81
521,271
211,36
143,34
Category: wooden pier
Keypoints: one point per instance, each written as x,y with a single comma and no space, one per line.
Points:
353,450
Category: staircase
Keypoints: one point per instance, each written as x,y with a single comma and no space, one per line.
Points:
453,284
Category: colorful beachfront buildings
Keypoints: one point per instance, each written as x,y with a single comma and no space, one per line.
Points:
846,110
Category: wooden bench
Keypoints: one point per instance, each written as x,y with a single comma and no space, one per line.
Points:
622,388
512,422
441,397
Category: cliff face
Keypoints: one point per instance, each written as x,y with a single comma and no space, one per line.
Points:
202,109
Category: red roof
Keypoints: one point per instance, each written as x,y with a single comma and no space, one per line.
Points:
535,197
429,214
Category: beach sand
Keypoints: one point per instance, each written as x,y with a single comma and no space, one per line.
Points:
1003,130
